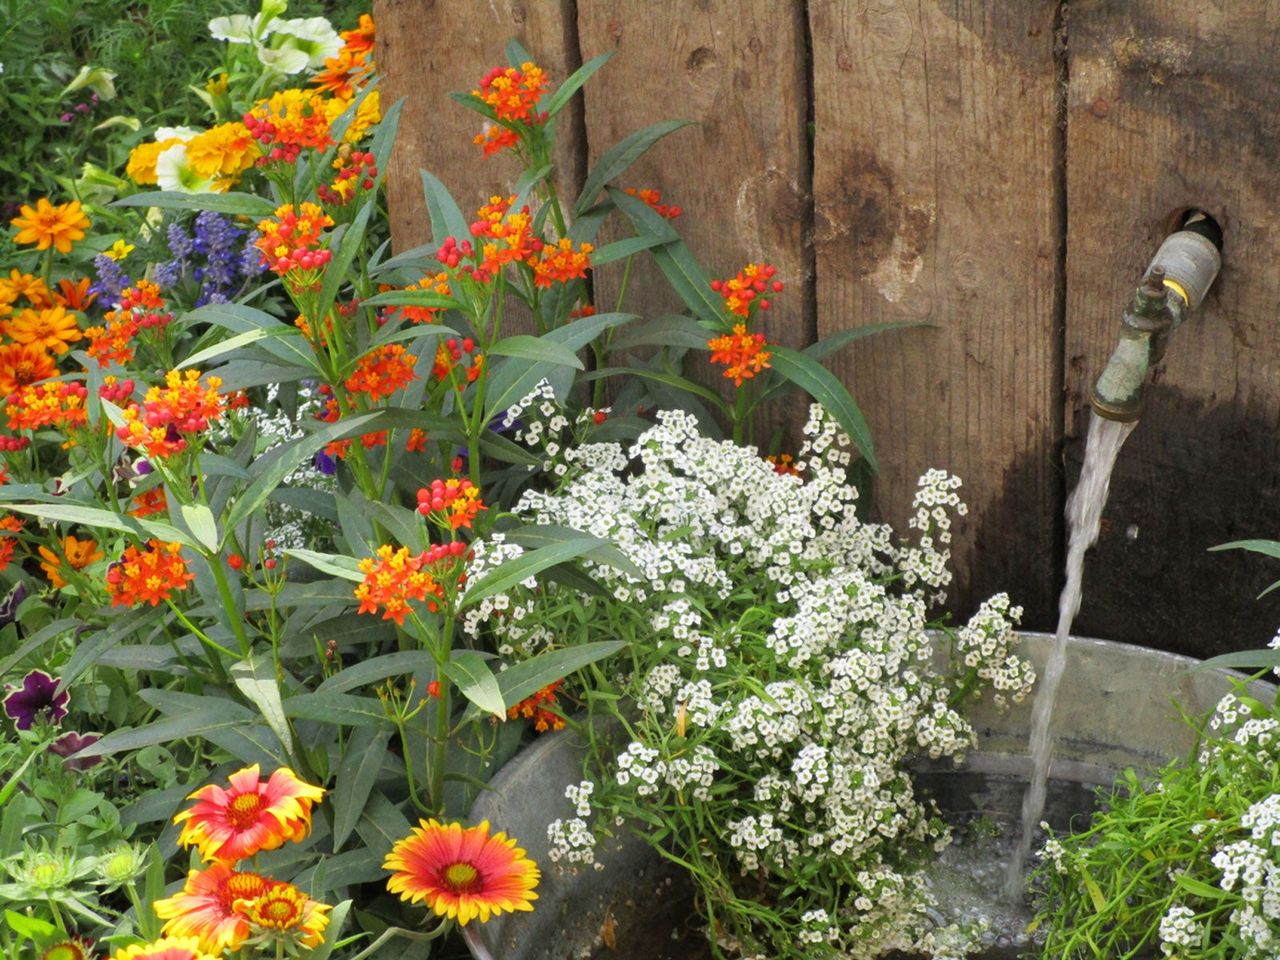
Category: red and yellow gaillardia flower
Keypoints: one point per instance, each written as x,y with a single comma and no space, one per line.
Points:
48,226
166,948
249,815
22,364
382,371
742,353
462,873
78,553
51,328
148,575
205,908
282,911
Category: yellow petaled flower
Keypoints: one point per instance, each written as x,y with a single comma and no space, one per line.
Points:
46,225
367,114
205,909
79,554
462,873
166,948
51,328
141,168
27,286
119,250
285,911
222,153
231,824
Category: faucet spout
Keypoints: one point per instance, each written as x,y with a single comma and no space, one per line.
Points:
1176,282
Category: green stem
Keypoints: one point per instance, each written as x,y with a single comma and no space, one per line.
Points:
203,637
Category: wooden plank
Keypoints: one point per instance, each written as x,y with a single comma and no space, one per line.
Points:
741,175
428,49
1174,104
935,191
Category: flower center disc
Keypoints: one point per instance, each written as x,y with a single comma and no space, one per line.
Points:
243,810
462,878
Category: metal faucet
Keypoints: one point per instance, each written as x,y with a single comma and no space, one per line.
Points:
1176,282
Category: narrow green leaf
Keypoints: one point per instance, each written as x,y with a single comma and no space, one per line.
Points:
620,249
564,93
49,631
337,916
824,387
104,519
247,204
619,157
471,674
333,564
671,330
838,341
355,779
535,348
257,681
412,298
29,928
446,219
1269,548
378,668
657,376
1242,660
607,553
162,731
340,708
513,571
382,823
239,318
91,647
335,272
235,343
204,528
527,677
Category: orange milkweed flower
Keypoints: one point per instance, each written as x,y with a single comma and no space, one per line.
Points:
168,415
230,824
291,242
392,580
462,873
52,328
494,139
149,503
288,122
534,708
382,371
742,293
205,907
56,404
22,364
449,354
286,912
9,524
79,554
653,199
437,283
48,226
148,575
513,93
166,948
417,442
561,263
741,352
457,500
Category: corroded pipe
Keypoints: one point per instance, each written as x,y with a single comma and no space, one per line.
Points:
1176,282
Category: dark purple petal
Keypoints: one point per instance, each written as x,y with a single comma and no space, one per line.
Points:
71,743
36,698
9,606
325,463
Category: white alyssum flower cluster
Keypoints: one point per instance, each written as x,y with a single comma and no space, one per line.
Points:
783,671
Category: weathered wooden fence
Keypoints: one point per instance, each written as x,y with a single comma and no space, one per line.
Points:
1001,171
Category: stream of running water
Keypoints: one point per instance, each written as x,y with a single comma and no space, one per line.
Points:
1084,520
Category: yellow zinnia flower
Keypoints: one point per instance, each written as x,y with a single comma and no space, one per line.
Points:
223,152
79,554
46,225
141,168
52,328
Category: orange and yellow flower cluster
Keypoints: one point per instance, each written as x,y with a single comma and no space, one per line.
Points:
141,311
741,353
654,201
396,578
382,371
513,93
77,555
449,356
149,574
535,708
291,243
168,415
56,404
742,293
222,909
456,500
561,263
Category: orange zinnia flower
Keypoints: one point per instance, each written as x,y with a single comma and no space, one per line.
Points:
382,371
52,328
167,948
462,873
9,524
286,912
250,815
149,575
25,285
205,909
561,263
74,295
22,364
46,225
79,554
741,352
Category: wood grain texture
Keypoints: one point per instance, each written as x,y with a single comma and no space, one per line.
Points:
1175,104
428,49
741,175
935,202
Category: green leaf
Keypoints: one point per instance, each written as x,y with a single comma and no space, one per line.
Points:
238,318
199,520
1242,660
277,464
331,563
247,204
378,668
412,298
619,157
671,330
163,731
335,272
384,137
471,674
560,99
838,341
621,249
37,640
535,348
356,775
446,219
29,928
90,648
337,916
1269,548
824,387
657,376
382,823
510,572
104,519
527,677
257,681
338,708
543,535
235,342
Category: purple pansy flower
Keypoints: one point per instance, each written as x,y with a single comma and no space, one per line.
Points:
37,697
71,743
9,605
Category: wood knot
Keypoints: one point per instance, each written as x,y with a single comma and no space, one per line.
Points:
755,46
701,59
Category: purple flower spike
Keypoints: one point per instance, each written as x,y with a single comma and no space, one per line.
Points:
71,743
35,698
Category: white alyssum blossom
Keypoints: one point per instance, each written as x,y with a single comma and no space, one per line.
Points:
1178,928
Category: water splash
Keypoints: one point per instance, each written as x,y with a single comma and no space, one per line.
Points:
1084,520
